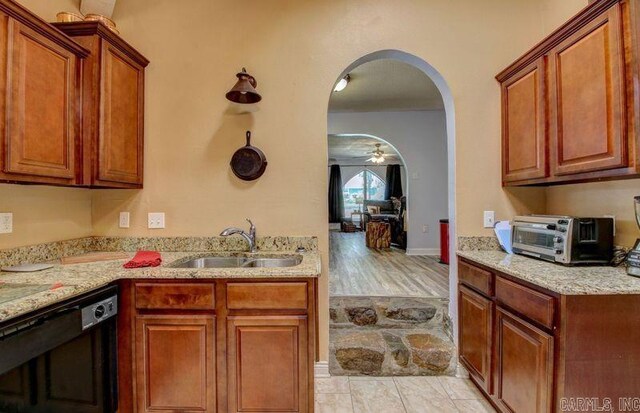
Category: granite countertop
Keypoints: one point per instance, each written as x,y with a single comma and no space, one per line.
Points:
596,280
65,281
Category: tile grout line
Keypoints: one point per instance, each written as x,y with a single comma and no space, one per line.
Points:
353,410
404,406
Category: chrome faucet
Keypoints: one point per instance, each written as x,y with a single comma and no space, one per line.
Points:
250,236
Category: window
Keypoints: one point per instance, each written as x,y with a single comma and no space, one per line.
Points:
364,186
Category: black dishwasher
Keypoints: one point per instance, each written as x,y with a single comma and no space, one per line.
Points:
63,358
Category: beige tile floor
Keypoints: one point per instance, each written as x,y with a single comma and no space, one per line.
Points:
398,395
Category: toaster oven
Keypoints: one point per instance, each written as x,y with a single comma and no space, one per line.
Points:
564,239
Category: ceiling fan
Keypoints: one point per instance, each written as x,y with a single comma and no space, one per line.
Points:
378,155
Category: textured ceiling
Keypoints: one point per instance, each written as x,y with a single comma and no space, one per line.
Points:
386,85
357,148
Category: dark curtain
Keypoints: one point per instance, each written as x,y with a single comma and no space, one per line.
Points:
394,182
336,202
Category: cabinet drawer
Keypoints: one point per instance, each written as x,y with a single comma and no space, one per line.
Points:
537,306
267,296
175,296
477,278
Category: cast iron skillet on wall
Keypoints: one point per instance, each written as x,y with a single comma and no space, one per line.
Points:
248,163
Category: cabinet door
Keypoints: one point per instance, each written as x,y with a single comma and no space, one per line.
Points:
267,363
41,103
524,365
175,363
121,132
524,131
475,326
588,130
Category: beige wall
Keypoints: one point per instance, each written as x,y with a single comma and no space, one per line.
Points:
297,49
556,12
44,214
597,199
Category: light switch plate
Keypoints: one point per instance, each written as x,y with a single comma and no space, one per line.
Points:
6,223
489,219
124,220
156,220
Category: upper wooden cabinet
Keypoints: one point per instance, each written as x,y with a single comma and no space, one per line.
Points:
72,109
39,100
588,102
112,107
568,112
524,126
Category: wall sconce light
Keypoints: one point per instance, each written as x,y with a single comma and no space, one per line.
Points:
244,90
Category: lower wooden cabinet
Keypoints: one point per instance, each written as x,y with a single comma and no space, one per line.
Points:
217,345
267,357
175,363
524,365
532,350
475,340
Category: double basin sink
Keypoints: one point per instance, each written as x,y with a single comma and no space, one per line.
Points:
239,262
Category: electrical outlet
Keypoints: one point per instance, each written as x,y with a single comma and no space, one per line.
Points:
425,228
124,220
156,220
489,219
6,223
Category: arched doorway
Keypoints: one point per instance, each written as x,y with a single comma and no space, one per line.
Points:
448,140
449,109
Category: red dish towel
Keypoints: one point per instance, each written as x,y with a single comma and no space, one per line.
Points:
144,259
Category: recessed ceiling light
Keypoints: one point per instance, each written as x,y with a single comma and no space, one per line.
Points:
342,83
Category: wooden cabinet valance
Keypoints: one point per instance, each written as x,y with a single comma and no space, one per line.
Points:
568,107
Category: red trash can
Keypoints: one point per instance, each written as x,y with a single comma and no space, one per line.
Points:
444,241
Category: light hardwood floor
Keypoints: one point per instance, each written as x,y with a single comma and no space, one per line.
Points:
357,270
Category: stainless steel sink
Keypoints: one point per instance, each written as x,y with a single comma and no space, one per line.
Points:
239,262
273,262
212,262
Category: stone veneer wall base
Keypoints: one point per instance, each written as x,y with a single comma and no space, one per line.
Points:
390,336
